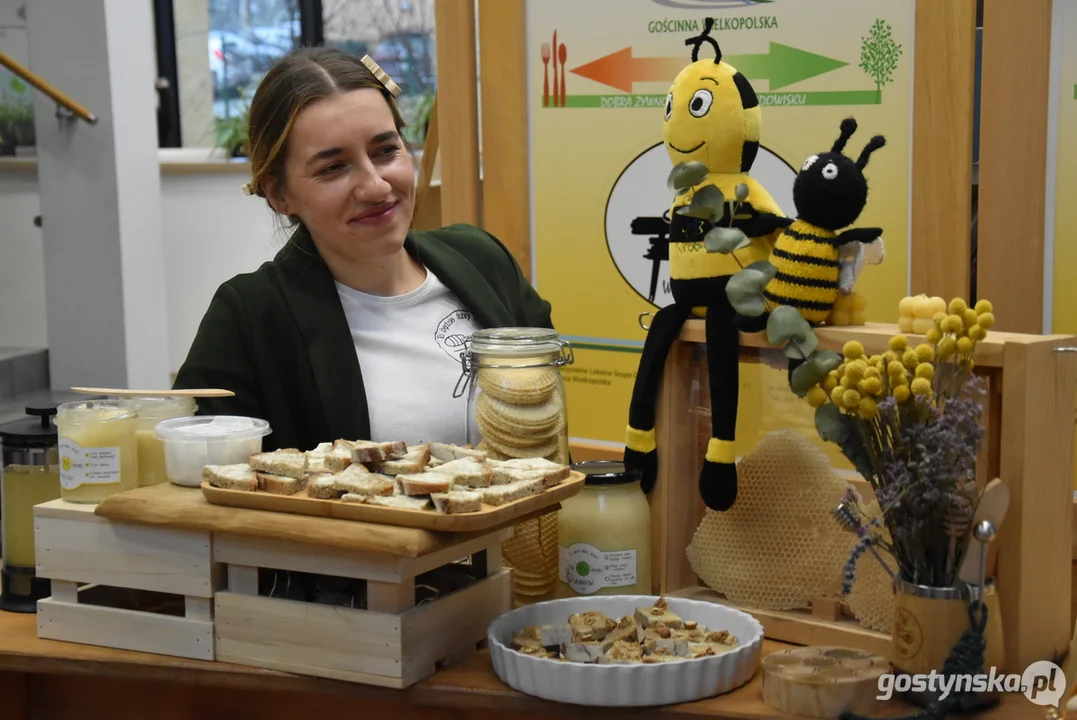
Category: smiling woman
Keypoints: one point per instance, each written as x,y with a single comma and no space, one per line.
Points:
337,336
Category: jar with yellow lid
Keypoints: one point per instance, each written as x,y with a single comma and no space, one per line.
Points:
151,450
604,534
98,449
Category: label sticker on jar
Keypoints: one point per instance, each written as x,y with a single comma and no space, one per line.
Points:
87,466
587,569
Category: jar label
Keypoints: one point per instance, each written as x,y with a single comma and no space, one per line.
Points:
587,569
87,466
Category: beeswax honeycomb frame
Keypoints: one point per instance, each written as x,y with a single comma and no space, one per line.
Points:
1029,443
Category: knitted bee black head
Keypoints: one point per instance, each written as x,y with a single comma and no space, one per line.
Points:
830,190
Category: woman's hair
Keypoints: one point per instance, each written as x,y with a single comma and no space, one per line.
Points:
302,77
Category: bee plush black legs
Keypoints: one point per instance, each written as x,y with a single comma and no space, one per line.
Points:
640,444
718,479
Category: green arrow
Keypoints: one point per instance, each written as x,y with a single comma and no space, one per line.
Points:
783,65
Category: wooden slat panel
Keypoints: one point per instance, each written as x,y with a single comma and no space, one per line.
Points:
503,42
458,111
1013,161
942,147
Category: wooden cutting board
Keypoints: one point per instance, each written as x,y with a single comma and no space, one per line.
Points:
169,505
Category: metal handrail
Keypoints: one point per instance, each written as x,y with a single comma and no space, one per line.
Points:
59,97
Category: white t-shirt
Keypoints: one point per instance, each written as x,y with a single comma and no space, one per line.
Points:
409,348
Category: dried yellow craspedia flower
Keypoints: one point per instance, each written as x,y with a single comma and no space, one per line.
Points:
925,353
895,368
868,408
909,359
952,324
831,381
966,364
964,345
870,386
921,386
946,348
939,317
968,318
933,336
984,306
898,343
848,381
850,399
977,333
901,394
836,395
957,306
901,379
853,350
926,371
872,372
856,370
986,320
816,396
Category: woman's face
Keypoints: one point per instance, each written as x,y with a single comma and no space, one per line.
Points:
348,177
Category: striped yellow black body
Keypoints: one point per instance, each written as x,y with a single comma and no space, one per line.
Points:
807,265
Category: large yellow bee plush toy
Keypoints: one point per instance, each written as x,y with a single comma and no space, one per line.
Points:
712,119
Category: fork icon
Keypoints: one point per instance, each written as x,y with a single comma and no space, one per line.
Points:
545,74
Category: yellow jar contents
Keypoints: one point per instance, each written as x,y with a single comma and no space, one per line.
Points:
151,451
21,488
98,450
604,535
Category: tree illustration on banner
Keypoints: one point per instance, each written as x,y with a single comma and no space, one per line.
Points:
879,56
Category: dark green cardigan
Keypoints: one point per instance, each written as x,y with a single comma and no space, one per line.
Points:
278,337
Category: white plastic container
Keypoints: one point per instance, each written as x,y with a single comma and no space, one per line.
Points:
194,442
640,685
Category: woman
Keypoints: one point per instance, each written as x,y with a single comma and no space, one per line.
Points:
352,331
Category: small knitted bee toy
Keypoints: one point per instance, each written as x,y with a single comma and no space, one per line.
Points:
711,132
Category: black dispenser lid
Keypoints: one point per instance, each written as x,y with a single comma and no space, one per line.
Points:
38,430
606,472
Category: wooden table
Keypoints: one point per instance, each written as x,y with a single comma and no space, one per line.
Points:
46,680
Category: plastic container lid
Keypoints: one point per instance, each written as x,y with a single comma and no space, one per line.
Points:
606,472
203,428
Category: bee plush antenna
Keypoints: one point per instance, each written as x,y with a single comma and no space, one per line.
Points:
697,42
848,127
874,144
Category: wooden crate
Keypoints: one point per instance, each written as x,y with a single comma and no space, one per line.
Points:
392,643
124,586
1028,442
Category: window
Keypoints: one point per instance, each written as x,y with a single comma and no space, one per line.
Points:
17,135
211,55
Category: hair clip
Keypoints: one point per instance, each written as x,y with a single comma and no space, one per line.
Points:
247,189
382,77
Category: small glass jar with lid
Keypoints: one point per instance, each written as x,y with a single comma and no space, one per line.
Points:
151,450
516,398
98,449
29,476
604,534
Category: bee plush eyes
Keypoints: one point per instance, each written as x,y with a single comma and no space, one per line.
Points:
669,105
830,171
809,162
701,103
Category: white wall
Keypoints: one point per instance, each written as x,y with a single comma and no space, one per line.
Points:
212,231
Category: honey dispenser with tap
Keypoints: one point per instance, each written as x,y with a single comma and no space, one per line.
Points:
29,476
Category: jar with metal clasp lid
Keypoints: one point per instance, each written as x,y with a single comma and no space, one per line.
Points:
516,409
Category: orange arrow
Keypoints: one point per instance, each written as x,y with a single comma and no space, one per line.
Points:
621,70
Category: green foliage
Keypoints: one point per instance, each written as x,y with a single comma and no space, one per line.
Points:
785,325
725,240
745,289
879,54
708,203
813,371
831,425
742,192
686,176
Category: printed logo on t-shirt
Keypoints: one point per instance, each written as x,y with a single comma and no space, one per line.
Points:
452,333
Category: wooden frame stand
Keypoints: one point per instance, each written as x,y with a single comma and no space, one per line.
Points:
1029,444
392,642
124,586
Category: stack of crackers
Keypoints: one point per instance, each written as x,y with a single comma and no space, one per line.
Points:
427,477
521,413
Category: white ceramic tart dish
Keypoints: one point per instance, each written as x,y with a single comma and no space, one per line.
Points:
625,685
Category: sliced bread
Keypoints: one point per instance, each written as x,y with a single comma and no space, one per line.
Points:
323,487
401,502
453,503
357,480
239,476
288,462
469,471
509,471
510,492
339,457
280,485
316,458
364,451
447,453
424,483
414,460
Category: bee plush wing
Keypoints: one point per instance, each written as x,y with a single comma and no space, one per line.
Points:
854,256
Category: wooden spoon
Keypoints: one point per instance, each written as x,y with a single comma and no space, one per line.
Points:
994,502
120,392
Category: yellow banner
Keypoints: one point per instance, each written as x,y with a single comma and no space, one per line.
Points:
599,72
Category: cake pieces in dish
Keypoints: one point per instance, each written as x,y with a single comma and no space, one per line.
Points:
651,635
434,477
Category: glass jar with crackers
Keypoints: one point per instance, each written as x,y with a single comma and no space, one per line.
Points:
517,402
